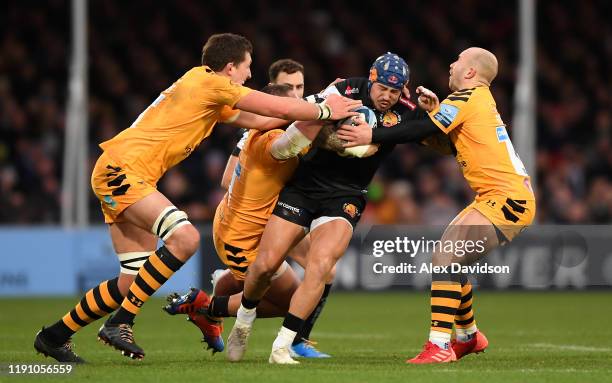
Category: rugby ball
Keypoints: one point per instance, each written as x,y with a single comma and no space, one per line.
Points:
365,113
369,117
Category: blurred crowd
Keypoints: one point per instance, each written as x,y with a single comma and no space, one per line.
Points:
138,48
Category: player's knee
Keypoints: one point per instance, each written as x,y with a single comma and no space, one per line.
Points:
269,260
262,271
180,236
185,241
265,266
320,267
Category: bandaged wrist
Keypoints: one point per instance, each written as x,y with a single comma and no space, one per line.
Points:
324,111
289,144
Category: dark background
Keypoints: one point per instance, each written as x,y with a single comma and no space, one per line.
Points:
138,48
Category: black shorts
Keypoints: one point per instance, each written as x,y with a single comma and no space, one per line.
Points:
297,207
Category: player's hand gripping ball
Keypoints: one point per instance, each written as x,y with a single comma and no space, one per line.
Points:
365,114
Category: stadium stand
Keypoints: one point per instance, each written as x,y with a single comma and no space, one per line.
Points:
139,56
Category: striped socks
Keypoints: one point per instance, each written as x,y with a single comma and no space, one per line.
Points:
445,300
465,324
160,266
97,303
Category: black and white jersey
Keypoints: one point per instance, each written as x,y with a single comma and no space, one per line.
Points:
324,173
242,136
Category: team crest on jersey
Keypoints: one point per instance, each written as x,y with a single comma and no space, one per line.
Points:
391,118
350,209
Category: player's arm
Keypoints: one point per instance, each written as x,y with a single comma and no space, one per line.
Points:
229,171
296,138
233,160
248,120
405,131
444,117
335,107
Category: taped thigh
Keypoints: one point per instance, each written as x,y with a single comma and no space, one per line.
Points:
325,219
170,219
281,270
133,261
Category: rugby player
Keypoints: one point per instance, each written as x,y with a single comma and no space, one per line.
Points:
286,72
125,176
504,205
291,73
266,162
326,196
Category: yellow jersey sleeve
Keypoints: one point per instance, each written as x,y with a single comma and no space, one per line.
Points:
228,114
220,90
261,145
453,111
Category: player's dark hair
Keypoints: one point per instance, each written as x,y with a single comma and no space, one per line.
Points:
284,65
277,89
223,48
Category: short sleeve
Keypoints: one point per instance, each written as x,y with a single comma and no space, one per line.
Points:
228,114
220,90
449,114
261,145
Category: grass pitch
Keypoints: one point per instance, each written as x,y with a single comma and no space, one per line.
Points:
534,337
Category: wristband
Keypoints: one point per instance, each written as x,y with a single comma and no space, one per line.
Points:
324,111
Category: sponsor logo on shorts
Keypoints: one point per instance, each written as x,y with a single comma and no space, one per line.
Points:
110,202
293,209
350,209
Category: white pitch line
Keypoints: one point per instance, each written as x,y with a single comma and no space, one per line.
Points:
570,347
523,370
333,335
